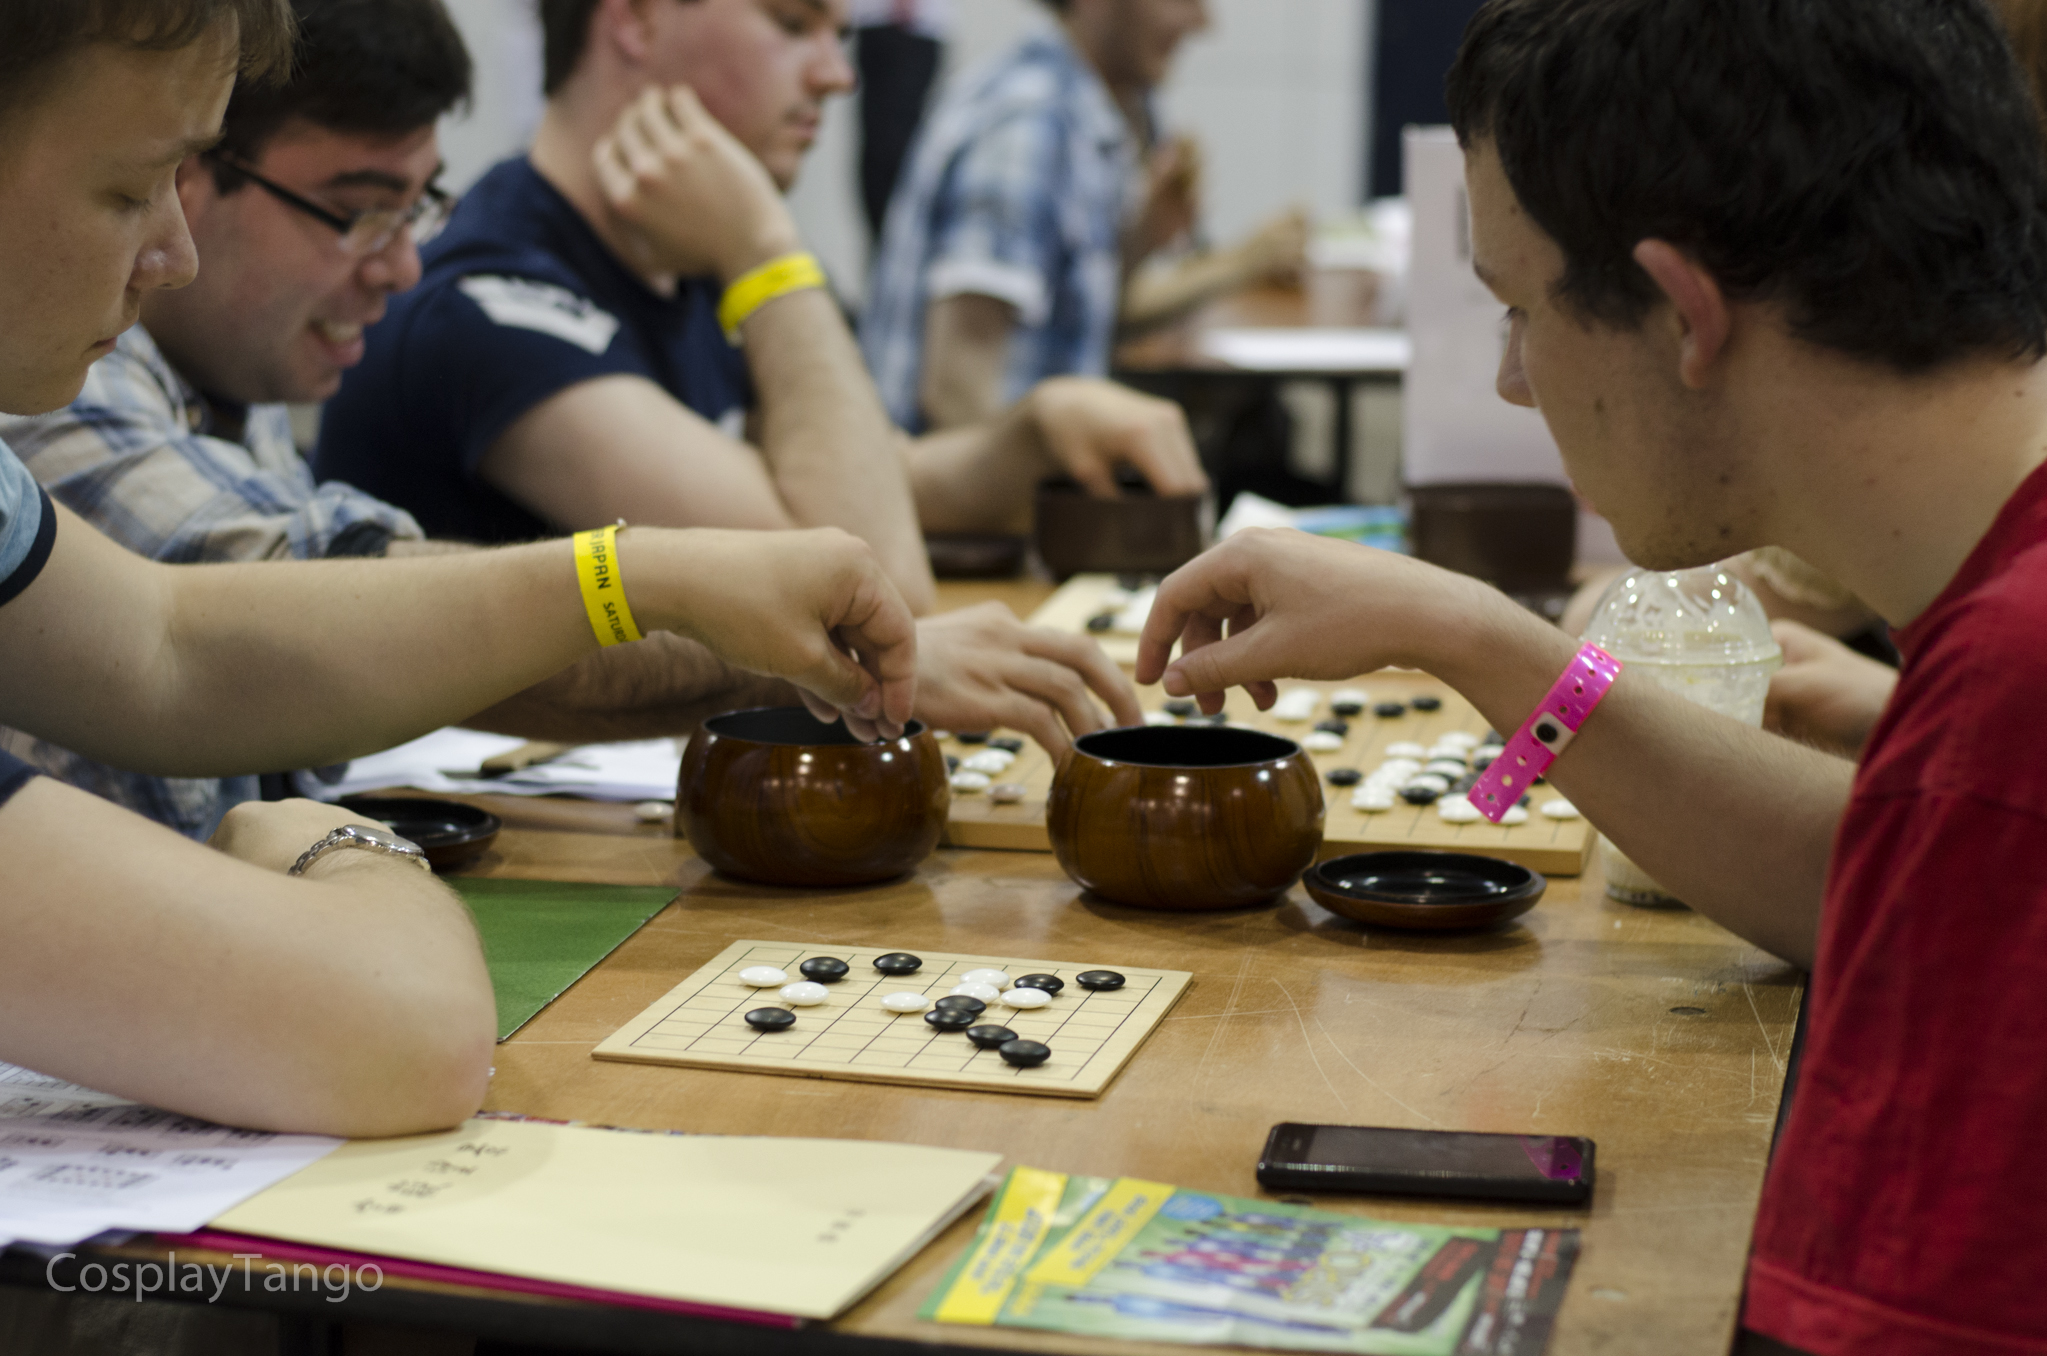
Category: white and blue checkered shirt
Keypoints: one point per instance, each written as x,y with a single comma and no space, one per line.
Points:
134,457
1018,189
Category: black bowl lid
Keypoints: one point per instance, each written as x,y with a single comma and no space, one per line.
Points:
429,823
1188,746
793,726
1426,878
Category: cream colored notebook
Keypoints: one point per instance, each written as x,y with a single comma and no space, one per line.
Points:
788,1226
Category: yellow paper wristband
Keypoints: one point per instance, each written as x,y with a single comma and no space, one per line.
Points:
754,289
603,590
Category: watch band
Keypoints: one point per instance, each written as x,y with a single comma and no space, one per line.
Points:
365,839
1546,733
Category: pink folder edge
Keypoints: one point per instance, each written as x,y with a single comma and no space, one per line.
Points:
485,1280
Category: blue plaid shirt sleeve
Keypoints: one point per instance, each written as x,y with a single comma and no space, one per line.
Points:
128,456
995,227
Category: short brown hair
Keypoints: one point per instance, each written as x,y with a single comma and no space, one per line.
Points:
36,34
565,32
2027,20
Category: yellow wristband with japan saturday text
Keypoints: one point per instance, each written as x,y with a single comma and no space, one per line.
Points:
603,589
757,287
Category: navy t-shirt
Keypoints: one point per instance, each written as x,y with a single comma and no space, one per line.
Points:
28,530
519,300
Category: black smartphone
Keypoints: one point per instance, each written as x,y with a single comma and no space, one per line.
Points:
1555,1168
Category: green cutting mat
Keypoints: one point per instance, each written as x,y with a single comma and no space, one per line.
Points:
541,936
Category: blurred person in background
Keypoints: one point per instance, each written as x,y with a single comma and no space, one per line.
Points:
1015,249
899,46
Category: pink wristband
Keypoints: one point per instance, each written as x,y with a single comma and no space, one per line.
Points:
1546,734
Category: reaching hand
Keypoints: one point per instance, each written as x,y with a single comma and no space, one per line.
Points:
1270,604
1278,250
1172,201
1826,693
980,669
699,200
813,607
1091,427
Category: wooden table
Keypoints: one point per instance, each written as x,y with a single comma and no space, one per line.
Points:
1656,1033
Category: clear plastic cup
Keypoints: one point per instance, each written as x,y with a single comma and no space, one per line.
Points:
1701,634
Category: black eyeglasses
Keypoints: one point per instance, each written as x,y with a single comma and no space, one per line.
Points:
362,233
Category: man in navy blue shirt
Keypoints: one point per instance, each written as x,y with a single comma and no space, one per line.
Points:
562,364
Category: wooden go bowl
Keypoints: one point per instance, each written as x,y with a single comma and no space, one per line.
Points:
777,796
1186,817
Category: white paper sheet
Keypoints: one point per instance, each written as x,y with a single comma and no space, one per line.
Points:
637,770
1310,350
74,1162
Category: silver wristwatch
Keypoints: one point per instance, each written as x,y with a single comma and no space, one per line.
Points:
368,839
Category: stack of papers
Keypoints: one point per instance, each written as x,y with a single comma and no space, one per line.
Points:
1284,349
447,760
74,1163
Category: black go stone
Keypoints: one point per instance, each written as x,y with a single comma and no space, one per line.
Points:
1024,1054
1345,776
973,737
1388,710
771,1019
959,1002
990,1037
899,963
1181,707
1101,621
1007,743
1099,980
949,1019
1420,795
952,764
1335,727
824,969
1347,708
1049,983
1427,703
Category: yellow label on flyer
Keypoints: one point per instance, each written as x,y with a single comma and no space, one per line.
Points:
1014,1232
1102,1233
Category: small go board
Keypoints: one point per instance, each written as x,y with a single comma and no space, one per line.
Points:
1551,846
700,1023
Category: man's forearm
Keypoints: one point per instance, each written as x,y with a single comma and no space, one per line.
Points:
827,440
1736,822
1155,296
664,685
981,478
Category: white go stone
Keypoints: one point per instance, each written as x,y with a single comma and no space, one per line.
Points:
1559,809
1437,784
1457,810
1345,695
1446,767
1517,815
999,978
1488,751
1160,718
905,1002
1296,704
987,993
1372,801
1322,741
1406,749
653,811
941,735
1008,793
968,783
1401,767
992,761
1460,738
763,977
1026,998
804,994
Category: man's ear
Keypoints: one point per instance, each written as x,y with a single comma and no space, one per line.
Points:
628,27
1701,307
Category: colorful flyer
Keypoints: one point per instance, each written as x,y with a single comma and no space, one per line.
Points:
1136,1259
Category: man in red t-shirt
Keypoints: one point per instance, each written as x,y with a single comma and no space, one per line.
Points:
1776,273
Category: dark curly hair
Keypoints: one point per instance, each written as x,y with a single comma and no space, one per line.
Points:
1873,166
36,35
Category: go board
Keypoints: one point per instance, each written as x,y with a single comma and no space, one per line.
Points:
700,1023
1553,847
